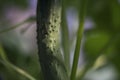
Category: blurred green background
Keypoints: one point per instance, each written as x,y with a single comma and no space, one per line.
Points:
100,55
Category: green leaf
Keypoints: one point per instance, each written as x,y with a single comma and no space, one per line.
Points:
95,42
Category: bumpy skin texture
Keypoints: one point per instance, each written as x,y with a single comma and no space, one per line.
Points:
48,26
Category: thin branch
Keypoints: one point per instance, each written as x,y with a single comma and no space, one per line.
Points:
4,60
79,38
30,19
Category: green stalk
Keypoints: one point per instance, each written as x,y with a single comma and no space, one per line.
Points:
4,60
65,37
18,70
79,38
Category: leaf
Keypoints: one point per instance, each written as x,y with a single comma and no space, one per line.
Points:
95,42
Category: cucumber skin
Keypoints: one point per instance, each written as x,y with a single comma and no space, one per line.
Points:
48,40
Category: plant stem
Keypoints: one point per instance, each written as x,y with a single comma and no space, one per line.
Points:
65,37
4,60
79,38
